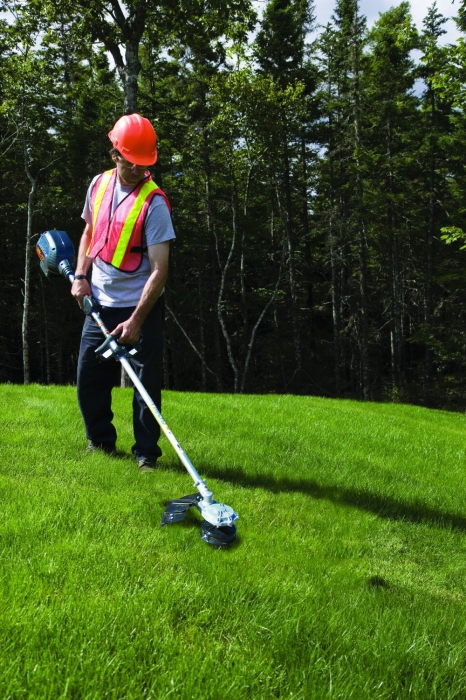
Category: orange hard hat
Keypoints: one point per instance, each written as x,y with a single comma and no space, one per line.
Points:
135,138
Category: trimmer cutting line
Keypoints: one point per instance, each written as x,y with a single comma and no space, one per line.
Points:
57,257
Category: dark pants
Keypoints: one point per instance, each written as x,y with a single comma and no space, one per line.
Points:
96,379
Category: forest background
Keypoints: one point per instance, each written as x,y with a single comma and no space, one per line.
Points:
315,187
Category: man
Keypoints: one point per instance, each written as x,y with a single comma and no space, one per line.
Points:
124,248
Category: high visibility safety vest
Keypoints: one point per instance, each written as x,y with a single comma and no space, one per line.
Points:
117,238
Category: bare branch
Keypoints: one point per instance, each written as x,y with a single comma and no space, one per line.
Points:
259,320
117,14
190,341
11,138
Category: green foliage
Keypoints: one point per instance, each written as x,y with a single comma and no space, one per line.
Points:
451,83
451,234
310,187
281,41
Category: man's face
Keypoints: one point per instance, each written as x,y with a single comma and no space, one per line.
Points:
128,173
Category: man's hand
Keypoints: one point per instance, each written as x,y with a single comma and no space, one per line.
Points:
80,289
127,332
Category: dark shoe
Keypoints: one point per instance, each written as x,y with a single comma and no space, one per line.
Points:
146,465
107,447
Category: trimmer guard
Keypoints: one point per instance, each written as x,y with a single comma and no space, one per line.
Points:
176,510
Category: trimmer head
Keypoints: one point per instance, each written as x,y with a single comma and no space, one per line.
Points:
217,528
218,536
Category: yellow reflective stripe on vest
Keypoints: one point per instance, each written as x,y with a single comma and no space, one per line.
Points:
100,195
130,222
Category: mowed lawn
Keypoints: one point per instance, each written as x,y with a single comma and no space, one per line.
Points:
347,579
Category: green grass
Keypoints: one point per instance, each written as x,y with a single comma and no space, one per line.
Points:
347,579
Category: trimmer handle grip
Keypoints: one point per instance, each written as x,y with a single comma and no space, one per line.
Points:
90,305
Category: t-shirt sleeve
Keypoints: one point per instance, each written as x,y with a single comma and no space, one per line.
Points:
158,226
87,211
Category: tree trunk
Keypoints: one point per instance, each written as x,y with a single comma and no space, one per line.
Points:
288,220
428,289
334,263
133,68
306,232
244,302
212,252
27,269
45,327
223,273
132,28
361,229
336,309
396,321
202,333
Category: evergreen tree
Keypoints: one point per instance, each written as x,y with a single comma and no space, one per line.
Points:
435,125
342,208
392,152
281,52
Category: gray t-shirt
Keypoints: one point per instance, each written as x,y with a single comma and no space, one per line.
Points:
113,287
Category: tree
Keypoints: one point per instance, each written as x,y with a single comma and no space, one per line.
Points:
44,166
390,78
280,49
341,207
119,25
436,114
25,72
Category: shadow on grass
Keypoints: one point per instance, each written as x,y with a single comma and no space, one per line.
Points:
383,506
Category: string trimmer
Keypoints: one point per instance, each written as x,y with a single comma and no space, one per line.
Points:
57,257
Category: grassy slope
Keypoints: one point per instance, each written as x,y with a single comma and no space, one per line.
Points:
347,579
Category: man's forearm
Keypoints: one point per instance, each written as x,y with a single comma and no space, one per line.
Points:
81,288
129,330
83,263
151,292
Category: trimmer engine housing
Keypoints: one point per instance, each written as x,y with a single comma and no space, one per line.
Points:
56,253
